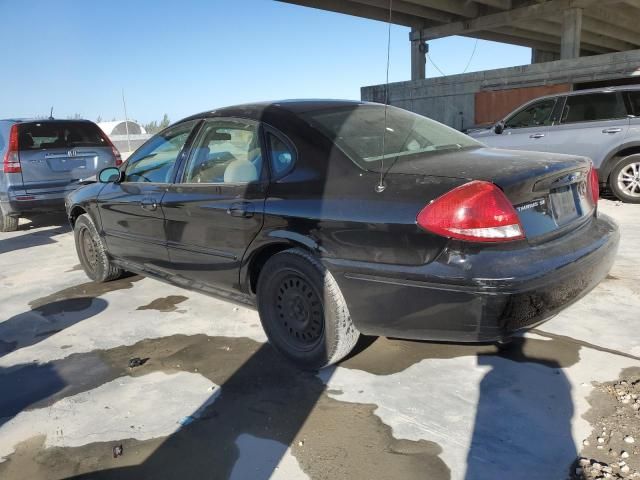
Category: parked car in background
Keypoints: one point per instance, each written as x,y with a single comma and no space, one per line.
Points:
43,160
293,207
602,124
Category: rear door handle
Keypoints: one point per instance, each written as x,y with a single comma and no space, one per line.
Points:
241,209
149,204
537,135
612,130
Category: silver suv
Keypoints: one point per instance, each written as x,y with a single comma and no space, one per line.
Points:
602,124
44,160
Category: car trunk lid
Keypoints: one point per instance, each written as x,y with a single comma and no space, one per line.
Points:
550,192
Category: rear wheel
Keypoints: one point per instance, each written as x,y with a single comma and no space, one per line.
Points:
303,311
7,223
92,252
625,179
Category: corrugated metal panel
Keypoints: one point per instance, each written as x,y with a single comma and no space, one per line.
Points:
494,105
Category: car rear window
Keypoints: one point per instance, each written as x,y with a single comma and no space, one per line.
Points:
360,132
46,135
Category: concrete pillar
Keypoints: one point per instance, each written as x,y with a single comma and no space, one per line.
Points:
418,55
571,33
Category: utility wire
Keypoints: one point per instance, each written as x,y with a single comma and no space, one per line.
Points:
437,68
475,46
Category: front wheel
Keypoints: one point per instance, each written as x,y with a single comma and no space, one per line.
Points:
625,179
303,312
92,252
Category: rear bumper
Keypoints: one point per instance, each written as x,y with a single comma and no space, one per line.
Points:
20,203
478,295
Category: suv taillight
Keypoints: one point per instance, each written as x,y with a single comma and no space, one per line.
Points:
114,150
594,185
11,163
117,155
476,211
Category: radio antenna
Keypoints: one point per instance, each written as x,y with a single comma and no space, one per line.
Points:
51,114
381,186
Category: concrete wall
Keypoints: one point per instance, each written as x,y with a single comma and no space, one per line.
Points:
451,99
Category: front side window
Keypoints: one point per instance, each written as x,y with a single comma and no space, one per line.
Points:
360,132
594,107
155,161
535,115
226,151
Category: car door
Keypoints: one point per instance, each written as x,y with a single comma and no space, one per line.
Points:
526,128
591,125
215,208
130,210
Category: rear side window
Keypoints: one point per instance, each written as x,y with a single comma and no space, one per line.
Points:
634,100
281,157
593,107
47,135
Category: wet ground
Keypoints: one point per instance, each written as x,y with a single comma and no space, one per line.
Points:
210,399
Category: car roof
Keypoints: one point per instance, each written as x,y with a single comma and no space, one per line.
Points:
291,106
43,120
573,93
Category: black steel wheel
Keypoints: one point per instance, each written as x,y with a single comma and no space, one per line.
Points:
303,311
92,252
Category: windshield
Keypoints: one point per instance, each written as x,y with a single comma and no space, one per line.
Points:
63,134
358,131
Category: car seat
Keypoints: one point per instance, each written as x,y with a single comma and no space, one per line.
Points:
240,171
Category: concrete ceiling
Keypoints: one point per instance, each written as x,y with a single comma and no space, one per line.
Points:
605,25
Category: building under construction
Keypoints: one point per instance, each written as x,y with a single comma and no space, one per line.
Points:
575,44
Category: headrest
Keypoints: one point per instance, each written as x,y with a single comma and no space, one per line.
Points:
240,171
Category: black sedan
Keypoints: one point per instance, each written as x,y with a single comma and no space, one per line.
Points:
339,218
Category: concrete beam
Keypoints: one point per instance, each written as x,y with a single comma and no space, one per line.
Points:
499,4
571,33
461,8
409,8
496,20
590,41
362,11
625,24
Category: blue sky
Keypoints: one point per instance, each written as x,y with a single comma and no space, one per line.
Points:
184,57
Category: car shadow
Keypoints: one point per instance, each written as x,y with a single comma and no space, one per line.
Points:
31,327
34,234
523,419
259,411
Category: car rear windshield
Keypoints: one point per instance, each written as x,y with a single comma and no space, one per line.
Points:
47,135
360,132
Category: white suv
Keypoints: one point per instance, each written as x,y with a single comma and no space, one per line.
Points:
602,124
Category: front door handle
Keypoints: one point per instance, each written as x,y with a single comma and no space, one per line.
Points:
149,204
612,130
537,135
241,209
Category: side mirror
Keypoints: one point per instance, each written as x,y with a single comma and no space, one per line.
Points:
499,128
109,175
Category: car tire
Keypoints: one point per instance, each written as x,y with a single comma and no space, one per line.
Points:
7,223
624,180
303,312
92,252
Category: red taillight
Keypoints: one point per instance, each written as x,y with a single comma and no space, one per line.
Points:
476,211
114,150
117,155
11,163
594,185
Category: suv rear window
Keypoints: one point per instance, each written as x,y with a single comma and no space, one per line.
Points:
46,135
